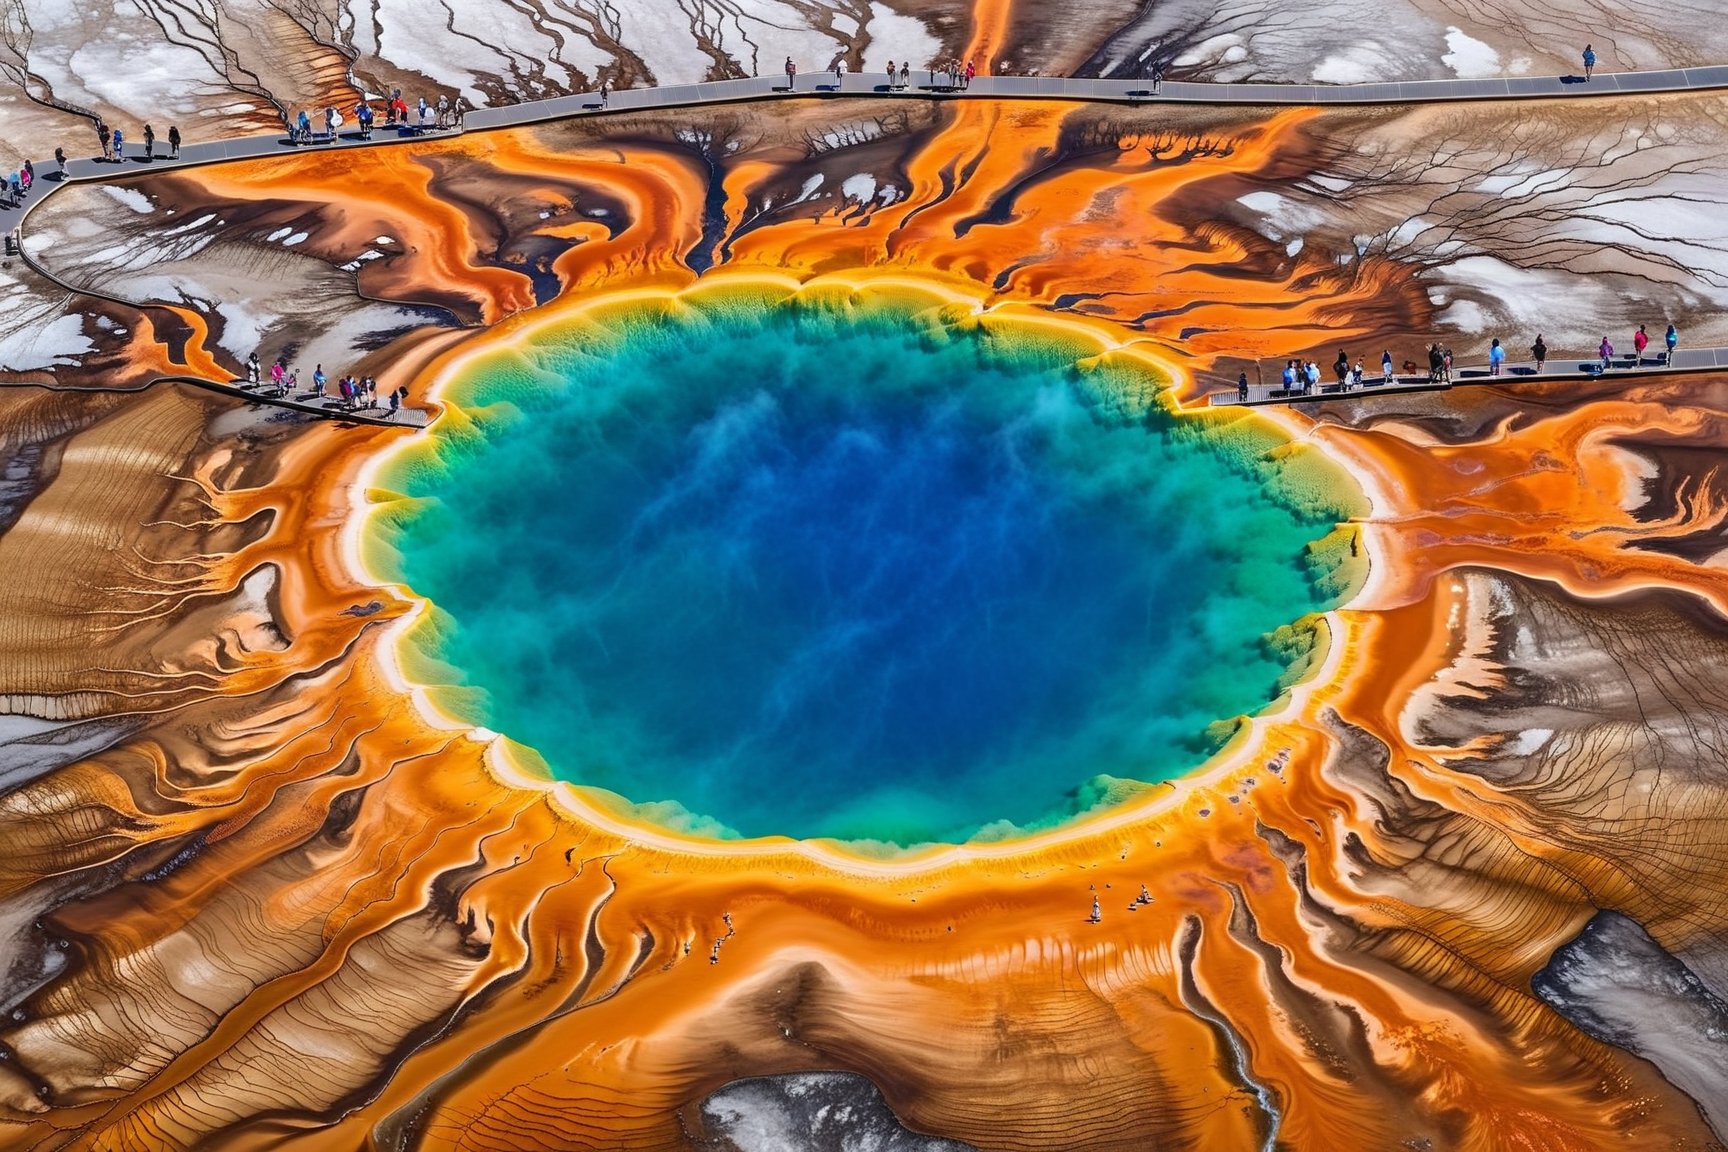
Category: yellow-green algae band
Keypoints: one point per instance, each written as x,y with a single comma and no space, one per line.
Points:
872,565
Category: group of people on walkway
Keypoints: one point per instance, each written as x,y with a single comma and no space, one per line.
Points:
445,114
1302,377
955,73
15,186
357,393
114,143
1640,342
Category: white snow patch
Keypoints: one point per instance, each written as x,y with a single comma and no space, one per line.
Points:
190,224
1527,741
1469,57
859,187
1215,49
242,328
297,238
1282,215
1568,309
1356,64
279,234
34,347
1466,316
130,197
408,39
809,189
901,37
354,264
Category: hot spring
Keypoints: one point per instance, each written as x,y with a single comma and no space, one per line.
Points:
868,568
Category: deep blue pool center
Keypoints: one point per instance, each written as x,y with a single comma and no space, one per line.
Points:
859,570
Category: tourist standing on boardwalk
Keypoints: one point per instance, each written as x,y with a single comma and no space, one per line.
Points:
252,368
149,142
971,71
1640,341
905,73
1313,375
1157,79
1386,366
791,75
839,71
1589,61
1606,352
60,162
1539,352
1672,339
1496,357
102,135
1242,387
119,146
1289,376
1341,368
318,380
173,142
891,75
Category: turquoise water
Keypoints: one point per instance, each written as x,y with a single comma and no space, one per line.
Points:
854,574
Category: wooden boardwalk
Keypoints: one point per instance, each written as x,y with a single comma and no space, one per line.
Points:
1653,363
868,85
923,85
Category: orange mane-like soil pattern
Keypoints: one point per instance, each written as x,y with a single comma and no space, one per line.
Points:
340,923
